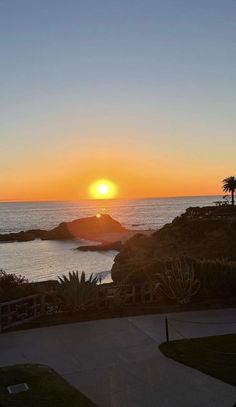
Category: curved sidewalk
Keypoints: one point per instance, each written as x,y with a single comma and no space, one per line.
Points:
117,362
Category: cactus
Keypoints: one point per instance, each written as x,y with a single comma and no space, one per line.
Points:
177,280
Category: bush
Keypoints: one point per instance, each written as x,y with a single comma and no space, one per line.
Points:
217,277
13,286
177,280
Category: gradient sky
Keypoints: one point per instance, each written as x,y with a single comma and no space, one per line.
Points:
139,92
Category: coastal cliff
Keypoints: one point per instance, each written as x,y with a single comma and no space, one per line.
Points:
202,233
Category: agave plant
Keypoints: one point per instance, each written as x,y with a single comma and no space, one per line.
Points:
76,292
177,281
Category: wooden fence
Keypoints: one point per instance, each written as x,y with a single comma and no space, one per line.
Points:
145,293
16,312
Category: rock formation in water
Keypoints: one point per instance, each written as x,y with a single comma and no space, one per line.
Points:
101,247
91,228
206,233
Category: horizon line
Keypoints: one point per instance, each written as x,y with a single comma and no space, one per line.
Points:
106,199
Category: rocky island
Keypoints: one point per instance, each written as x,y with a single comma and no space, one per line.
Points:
102,229
102,247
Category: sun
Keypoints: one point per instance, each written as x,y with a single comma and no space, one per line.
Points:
103,189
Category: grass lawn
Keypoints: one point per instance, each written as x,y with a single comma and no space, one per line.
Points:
46,388
204,354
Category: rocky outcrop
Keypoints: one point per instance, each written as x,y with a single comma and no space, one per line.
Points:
101,247
206,233
91,228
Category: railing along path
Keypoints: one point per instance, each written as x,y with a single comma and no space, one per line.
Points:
21,310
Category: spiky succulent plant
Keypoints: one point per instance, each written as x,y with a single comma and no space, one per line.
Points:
177,280
76,292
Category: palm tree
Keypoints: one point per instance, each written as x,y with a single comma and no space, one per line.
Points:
229,185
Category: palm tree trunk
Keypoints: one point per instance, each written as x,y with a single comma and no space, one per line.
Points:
232,195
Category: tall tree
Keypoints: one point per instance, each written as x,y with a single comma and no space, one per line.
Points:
229,185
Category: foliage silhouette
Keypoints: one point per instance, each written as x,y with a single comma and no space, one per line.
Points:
76,292
177,280
229,185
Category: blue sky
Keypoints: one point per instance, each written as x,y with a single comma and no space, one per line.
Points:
157,76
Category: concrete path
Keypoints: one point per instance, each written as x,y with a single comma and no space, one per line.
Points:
117,363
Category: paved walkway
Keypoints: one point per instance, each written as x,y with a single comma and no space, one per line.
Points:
117,363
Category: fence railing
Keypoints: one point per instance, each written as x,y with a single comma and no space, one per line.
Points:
25,309
16,312
145,293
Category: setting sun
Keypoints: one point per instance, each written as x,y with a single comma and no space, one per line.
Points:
103,189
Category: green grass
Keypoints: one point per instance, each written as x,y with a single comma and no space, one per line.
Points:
213,355
46,388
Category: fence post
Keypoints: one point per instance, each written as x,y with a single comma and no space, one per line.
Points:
134,294
167,329
0,318
42,304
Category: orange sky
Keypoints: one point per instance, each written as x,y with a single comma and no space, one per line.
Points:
56,160
69,176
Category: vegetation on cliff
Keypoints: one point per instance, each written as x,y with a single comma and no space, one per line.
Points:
200,233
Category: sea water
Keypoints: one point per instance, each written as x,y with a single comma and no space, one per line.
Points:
42,260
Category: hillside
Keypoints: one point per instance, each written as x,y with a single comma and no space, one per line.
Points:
205,233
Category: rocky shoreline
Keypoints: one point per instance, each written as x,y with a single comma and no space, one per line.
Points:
199,233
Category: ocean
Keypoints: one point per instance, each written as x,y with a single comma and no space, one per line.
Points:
42,260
